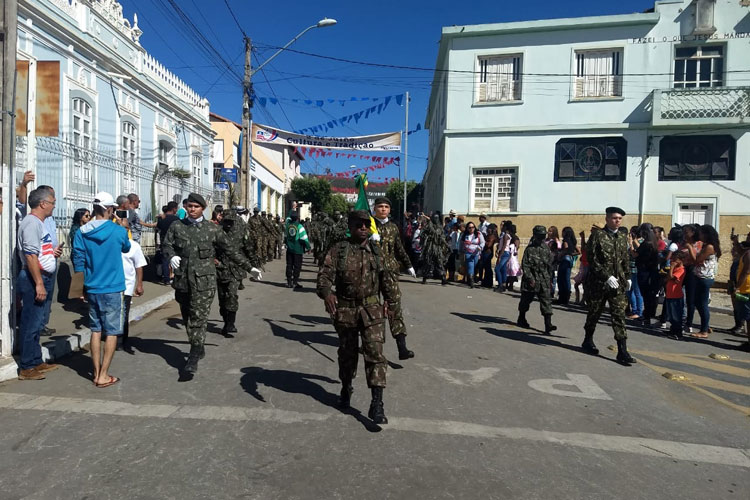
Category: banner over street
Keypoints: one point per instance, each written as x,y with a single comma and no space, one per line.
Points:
389,141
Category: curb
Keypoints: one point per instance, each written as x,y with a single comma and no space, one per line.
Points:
67,344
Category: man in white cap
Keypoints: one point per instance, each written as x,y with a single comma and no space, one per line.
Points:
97,252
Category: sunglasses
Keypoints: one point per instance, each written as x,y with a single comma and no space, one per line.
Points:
360,223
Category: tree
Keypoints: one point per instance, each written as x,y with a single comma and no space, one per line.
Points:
314,190
336,202
395,193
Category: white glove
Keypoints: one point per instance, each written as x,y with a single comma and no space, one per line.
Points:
628,284
256,274
612,282
412,272
174,262
375,237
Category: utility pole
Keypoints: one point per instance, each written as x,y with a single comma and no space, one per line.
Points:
247,115
8,35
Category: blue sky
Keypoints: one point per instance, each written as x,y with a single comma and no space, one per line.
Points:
404,33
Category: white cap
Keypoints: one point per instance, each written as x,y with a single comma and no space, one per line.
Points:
104,199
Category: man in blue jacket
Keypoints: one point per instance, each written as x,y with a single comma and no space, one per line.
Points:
97,252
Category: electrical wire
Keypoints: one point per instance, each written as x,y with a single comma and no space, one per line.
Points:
229,7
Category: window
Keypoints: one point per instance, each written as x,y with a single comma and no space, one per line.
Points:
591,159
197,164
166,155
699,66
697,157
129,156
598,74
499,79
494,190
82,151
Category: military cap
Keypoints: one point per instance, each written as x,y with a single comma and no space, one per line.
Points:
539,230
256,209
336,212
382,200
615,210
358,215
229,214
263,212
293,215
196,198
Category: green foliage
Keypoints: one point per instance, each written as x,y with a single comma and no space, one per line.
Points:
314,190
395,193
336,202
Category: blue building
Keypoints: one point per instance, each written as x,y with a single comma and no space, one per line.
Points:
125,124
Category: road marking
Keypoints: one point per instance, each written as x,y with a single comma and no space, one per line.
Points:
673,450
587,388
699,362
462,377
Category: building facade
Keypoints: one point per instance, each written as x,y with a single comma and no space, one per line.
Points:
552,121
272,169
124,123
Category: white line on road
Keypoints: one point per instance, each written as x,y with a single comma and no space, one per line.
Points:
634,445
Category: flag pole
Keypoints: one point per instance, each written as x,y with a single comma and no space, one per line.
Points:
406,149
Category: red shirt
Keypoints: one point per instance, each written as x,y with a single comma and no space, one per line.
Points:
674,284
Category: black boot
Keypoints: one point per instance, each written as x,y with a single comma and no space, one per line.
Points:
470,280
443,281
548,326
588,344
424,279
345,397
623,356
377,413
241,286
229,328
403,352
289,283
191,366
521,321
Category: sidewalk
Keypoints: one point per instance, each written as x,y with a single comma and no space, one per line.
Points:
70,320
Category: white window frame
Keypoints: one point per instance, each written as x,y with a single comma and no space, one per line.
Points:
196,163
496,174
499,78
166,156
129,148
714,80
82,135
598,73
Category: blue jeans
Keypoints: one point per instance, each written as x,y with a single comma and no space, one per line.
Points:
702,287
106,313
48,302
563,278
634,296
32,317
471,262
501,268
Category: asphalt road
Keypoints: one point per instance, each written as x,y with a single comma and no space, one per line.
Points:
485,410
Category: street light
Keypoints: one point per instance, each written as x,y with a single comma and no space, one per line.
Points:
320,24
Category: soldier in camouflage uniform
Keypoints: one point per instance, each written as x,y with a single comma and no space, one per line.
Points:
190,246
270,235
355,269
537,274
257,234
435,250
229,275
278,224
607,281
393,256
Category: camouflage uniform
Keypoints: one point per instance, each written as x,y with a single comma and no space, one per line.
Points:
607,253
195,279
279,226
393,256
435,251
228,274
537,272
257,236
358,275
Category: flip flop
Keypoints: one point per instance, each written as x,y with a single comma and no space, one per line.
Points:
699,335
112,381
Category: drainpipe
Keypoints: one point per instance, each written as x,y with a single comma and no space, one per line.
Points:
642,187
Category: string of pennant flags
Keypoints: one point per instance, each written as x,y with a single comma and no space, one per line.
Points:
319,152
264,101
344,120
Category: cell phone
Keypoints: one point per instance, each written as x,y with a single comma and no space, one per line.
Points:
61,245
121,214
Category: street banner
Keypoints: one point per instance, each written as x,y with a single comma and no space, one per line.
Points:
389,141
229,175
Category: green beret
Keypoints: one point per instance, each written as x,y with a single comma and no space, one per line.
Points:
196,198
540,230
615,210
381,200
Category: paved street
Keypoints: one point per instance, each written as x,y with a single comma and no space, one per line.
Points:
474,415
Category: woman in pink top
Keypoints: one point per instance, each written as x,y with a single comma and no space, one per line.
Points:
472,243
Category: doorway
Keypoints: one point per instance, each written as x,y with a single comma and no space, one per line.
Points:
695,213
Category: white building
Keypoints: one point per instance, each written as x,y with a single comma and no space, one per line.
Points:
123,122
552,121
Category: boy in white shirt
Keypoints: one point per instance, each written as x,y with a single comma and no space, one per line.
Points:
133,263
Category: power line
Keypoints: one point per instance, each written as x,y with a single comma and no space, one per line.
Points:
229,7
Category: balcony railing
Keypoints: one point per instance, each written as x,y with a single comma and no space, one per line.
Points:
701,106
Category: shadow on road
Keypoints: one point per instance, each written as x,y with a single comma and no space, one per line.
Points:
316,320
304,338
298,383
80,363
